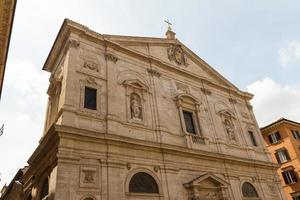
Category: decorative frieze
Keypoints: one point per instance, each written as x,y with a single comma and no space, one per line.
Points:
111,57
153,72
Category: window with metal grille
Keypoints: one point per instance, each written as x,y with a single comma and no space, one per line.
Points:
282,156
90,98
189,123
289,176
248,190
274,137
252,137
142,182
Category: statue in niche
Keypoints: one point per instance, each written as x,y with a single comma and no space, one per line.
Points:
135,106
229,129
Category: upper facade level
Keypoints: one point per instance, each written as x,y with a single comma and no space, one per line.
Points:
151,90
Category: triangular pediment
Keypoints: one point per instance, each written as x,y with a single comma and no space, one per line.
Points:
207,180
162,49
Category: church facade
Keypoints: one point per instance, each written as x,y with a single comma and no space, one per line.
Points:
144,118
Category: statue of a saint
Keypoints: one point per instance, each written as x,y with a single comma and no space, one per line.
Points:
135,107
229,129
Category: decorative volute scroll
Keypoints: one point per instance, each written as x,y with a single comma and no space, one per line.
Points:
177,54
111,57
207,187
74,43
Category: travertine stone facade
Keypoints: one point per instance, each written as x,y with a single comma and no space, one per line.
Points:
144,88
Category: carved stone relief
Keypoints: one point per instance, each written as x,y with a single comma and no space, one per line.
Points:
181,88
91,66
229,127
89,176
176,53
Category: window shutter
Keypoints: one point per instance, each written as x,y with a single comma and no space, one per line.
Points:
278,135
270,139
277,157
285,178
294,176
287,154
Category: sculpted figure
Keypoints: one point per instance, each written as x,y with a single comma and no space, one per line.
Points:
229,129
135,106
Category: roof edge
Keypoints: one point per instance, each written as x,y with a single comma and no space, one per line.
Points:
278,122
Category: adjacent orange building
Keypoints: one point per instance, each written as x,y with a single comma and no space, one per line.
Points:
282,138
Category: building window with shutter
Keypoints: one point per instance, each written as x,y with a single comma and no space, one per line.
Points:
296,134
289,176
274,137
90,98
282,156
252,137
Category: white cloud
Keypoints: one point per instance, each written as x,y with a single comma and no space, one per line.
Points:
273,101
290,54
22,111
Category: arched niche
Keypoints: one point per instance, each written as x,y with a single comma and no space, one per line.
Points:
137,92
228,120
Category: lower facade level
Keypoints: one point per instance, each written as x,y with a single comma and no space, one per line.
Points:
80,167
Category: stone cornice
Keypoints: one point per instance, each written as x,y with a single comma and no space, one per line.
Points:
81,134
276,124
70,26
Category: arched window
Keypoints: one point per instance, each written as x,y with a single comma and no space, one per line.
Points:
248,190
44,191
142,182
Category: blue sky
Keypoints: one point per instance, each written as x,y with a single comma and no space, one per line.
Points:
254,44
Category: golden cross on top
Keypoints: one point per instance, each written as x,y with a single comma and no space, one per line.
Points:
169,24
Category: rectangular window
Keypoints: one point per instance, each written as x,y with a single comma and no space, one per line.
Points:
189,123
274,137
90,98
282,156
296,134
252,137
289,177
